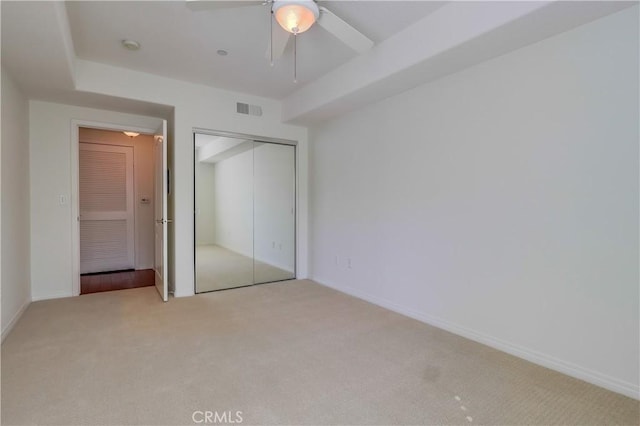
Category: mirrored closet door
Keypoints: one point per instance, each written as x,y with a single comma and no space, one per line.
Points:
244,212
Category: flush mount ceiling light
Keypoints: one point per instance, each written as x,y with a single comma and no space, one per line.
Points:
296,16
130,44
131,134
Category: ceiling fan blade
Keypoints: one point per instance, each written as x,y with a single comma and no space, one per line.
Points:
343,31
198,5
280,41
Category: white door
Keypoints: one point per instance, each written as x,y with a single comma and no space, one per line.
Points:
161,191
106,208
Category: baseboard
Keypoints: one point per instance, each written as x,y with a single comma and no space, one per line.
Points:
565,367
143,267
241,252
274,264
177,294
259,259
6,330
61,295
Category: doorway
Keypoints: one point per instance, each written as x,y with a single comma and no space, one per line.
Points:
245,211
116,206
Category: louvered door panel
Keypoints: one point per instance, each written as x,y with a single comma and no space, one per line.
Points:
103,181
103,245
106,208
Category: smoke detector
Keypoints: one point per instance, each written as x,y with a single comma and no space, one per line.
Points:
131,44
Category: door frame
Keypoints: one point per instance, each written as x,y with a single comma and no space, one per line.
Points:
255,138
75,187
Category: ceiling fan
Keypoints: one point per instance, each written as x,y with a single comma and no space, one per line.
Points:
295,17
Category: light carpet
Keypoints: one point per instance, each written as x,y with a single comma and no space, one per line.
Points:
287,353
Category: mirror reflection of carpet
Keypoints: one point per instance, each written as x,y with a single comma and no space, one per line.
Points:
218,268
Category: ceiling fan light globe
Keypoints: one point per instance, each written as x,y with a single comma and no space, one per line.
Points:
294,16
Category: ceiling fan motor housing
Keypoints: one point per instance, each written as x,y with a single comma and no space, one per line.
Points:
296,16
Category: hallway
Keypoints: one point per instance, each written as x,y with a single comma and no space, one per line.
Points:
118,280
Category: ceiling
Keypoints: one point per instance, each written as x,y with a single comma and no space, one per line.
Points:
182,44
213,149
69,52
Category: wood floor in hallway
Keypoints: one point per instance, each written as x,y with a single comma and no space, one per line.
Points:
119,280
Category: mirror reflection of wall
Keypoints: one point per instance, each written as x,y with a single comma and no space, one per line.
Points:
244,212
274,212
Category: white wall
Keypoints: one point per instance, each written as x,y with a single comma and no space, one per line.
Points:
143,159
50,128
500,202
274,220
205,203
16,292
197,106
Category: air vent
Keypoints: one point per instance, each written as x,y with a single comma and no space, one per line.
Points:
249,109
